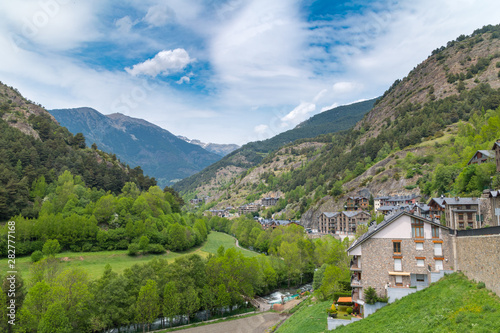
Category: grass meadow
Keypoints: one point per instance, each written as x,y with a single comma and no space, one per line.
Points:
94,262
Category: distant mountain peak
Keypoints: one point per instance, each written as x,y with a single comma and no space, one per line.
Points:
220,149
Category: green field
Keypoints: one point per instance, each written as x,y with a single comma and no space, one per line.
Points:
94,262
454,304
310,318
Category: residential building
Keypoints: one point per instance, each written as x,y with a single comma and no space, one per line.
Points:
342,222
249,208
379,202
355,203
400,255
436,208
270,201
491,207
325,219
463,213
482,156
496,149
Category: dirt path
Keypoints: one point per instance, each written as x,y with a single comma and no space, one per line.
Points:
255,324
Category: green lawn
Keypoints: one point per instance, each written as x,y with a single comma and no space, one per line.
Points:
454,304
310,318
94,262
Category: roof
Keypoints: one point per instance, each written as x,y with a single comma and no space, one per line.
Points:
496,144
330,214
344,300
494,194
439,201
487,153
461,201
376,228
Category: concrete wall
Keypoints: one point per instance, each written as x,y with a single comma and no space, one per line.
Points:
478,257
368,309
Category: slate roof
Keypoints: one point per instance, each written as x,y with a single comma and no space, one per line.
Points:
487,153
376,228
439,201
330,214
461,201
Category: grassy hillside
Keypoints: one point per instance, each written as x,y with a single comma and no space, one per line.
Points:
251,154
454,304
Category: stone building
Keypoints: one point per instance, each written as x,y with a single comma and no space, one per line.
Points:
344,223
463,213
403,251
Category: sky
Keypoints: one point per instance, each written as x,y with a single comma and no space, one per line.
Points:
222,71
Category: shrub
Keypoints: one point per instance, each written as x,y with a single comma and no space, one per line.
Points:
481,285
36,256
133,249
349,310
156,248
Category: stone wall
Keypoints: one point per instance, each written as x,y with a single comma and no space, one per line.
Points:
478,257
377,261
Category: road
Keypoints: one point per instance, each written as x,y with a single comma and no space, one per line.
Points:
255,324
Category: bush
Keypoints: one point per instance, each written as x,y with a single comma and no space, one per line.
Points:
36,256
481,285
156,248
349,310
133,249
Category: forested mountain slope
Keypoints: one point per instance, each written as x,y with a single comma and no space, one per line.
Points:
138,142
34,146
459,82
251,154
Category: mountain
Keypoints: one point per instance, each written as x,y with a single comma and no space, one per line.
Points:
216,148
138,142
251,154
416,139
35,151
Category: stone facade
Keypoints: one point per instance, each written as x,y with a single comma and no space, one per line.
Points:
378,261
479,258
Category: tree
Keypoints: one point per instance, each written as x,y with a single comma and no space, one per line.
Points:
171,301
36,304
190,302
148,304
51,247
55,320
223,298
370,295
143,243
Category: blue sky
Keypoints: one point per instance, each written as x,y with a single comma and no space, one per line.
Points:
222,71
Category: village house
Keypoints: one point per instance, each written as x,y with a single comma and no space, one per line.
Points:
379,202
270,201
496,149
355,203
482,156
463,213
436,208
342,223
249,208
400,255
492,208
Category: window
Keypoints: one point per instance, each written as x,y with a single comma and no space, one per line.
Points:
417,228
439,265
397,265
435,232
460,217
469,216
438,250
419,246
420,278
397,247
420,262
399,280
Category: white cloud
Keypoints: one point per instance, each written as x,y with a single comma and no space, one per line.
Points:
160,15
124,24
300,113
165,62
184,79
326,108
261,129
344,87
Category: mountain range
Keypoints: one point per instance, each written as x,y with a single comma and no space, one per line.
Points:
216,148
138,143
413,131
